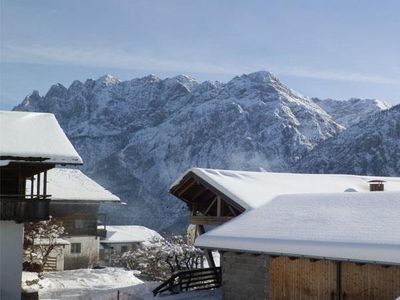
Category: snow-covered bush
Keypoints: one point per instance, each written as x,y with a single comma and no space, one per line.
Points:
159,258
40,239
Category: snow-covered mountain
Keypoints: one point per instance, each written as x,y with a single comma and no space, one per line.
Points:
370,147
352,111
137,136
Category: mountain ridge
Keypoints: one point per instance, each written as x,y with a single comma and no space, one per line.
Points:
137,136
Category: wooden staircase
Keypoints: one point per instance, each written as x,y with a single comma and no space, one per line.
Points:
51,264
196,279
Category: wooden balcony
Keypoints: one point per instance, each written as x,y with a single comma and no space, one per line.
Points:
102,233
24,208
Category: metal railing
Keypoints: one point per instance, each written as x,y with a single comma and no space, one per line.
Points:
196,279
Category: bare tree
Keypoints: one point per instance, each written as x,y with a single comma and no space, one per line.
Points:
40,239
159,258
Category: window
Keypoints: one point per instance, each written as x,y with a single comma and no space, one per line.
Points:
75,247
124,249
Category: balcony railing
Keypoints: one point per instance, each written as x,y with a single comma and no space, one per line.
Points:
24,208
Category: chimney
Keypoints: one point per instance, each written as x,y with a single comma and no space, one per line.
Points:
376,185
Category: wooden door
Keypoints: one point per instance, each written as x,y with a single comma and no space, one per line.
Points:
300,279
370,282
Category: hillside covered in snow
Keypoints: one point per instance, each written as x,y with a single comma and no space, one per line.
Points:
137,136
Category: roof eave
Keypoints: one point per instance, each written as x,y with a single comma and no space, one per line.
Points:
360,261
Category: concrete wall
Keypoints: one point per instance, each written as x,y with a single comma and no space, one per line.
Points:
244,276
11,241
88,257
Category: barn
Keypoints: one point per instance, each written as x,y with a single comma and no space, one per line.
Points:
214,197
220,200
312,246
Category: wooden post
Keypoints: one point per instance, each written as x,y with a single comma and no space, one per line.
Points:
38,186
218,206
44,184
210,258
32,186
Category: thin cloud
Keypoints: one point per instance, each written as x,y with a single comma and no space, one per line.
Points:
339,76
110,58
104,58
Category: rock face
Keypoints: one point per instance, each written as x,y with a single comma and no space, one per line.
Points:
351,111
370,147
137,136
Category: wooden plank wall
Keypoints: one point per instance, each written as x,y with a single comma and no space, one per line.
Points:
301,279
370,282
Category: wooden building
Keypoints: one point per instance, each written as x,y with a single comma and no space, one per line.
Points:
31,144
75,204
214,197
312,246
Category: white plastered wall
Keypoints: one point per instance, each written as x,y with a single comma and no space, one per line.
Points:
89,255
11,242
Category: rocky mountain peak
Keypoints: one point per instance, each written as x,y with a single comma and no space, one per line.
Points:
107,80
137,136
31,100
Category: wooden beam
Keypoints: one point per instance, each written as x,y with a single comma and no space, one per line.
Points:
211,205
218,205
38,185
32,185
44,183
232,210
189,185
208,220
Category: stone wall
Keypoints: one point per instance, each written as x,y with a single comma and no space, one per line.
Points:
244,276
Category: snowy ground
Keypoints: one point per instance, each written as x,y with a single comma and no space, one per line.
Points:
102,284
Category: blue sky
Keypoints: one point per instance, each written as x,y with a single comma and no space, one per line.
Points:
337,49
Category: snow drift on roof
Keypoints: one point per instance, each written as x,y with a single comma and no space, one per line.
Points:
27,136
344,226
253,189
73,185
129,234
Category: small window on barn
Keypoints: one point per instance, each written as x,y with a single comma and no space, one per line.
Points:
75,247
124,249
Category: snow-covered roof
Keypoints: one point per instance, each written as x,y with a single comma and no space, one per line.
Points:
253,189
343,226
72,185
59,241
27,136
129,234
